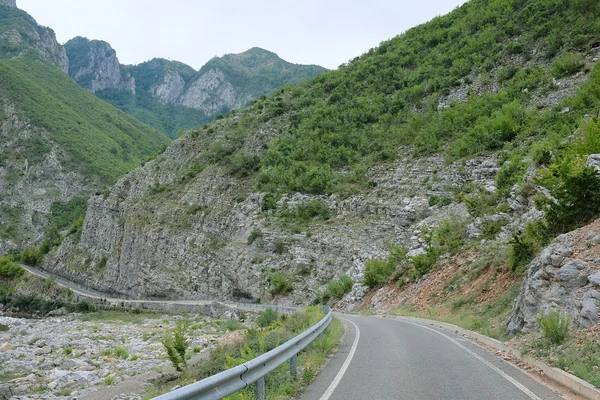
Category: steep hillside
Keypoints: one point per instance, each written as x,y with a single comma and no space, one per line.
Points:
435,142
172,96
58,143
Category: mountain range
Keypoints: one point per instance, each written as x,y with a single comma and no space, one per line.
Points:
60,143
170,95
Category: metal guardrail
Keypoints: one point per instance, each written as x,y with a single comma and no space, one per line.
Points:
235,379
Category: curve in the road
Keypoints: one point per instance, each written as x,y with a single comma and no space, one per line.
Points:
393,359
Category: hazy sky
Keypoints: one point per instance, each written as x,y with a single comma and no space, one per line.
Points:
324,32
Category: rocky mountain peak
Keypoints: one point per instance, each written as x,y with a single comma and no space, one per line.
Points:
9,3
95,66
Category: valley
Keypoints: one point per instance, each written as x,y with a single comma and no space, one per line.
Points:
451,173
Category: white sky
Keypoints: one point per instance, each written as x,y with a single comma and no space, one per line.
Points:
323,32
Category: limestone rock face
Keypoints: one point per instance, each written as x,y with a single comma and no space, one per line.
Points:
169,89
165,233
95,66
40,38
30,186
560,280
210,93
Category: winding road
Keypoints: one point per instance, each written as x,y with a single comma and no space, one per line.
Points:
395,359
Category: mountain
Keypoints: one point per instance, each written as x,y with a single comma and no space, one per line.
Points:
58,142
170,95
436,143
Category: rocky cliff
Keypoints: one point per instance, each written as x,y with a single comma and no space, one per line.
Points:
95,66
565,277
19,32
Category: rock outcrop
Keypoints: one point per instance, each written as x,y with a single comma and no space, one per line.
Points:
211,92
95,66
19,30
162,235
9,3
565,278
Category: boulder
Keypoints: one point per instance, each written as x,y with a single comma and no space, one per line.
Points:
589,310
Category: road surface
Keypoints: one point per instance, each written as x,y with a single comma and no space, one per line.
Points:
393,359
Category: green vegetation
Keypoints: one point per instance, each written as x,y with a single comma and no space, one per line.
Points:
267,317
121,353
280,283
9,270
97,139
176,345
378,271
279,383
555,327
255,234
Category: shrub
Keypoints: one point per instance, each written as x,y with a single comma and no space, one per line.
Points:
67,351
255,234
491,228
424,262
521,251
280,246
8,269
109,380
567,64
378,271
439,200
267,317
337,289
29,257
280,284
555,327
577,194
176,344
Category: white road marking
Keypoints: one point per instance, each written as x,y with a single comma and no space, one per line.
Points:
342,371
522,388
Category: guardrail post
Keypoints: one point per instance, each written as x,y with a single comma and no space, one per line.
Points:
321,336
260,388
294,366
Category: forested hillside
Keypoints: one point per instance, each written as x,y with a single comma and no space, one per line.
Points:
58,143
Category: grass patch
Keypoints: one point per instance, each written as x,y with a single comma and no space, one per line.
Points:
279,383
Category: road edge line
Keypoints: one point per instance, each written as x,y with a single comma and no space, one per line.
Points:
503,374
571,382
345,366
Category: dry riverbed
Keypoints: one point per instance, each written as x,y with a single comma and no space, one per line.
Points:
75,355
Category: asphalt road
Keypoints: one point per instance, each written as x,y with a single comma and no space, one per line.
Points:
396,359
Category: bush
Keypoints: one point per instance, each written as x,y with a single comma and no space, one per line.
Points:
280,246
378,271
555,327
491,228
337,289
521,251
577,194
424,262
176,344
8,269
267,317
255,234
30,257
280,284
567,64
